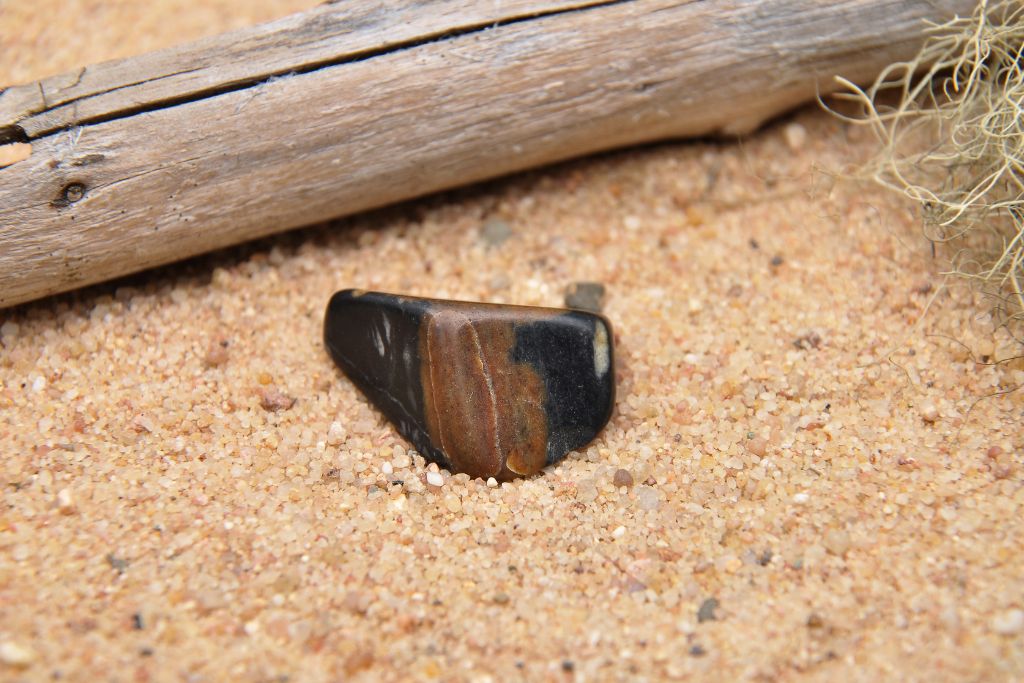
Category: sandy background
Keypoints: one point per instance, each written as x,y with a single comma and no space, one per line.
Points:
806,450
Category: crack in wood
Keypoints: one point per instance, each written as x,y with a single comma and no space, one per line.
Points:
16,132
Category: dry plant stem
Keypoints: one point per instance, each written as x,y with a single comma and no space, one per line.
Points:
148,160
954,142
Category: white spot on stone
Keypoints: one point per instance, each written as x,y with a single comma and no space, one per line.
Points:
387,329
602,358
378,342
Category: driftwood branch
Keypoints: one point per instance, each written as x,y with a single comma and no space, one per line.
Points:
357,104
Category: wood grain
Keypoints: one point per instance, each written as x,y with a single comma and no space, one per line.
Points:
353,105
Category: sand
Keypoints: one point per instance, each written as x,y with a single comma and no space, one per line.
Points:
814,471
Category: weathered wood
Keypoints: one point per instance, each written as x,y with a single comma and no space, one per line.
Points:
330,34
353,105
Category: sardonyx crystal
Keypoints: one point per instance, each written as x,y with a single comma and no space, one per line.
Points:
486,389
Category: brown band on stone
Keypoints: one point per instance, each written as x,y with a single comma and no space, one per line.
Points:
470,379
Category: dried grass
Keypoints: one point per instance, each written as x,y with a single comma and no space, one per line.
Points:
951,125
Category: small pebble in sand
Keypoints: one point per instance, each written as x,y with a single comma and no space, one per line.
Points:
501,598
806,342
401,460
16,655
837,542
929,413
492,483
1008,623
217,354
495,232
706,612
647,498
336,434
359,660
587,296
9,332
758,446
795,135
65,502
273,399
435,479
777,261
119,564
697,651
622,478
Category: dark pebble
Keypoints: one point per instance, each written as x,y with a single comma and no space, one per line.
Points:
707,611
568,666
541,379
622,478
137,622
697,651
586,296
811,340
777,261
118,563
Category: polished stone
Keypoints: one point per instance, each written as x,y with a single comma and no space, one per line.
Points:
486,389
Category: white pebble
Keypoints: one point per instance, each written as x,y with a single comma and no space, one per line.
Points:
435,478
401,459
38,384
796,136
335,434
65,502
13,654
800,498
492,482
386,468
619,532
1008,623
